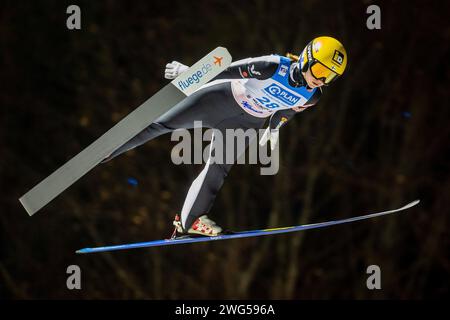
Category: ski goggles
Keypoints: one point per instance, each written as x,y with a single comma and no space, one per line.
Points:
322,72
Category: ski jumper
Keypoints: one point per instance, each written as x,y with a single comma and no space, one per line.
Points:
242,97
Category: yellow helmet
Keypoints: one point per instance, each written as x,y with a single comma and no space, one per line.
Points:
325,57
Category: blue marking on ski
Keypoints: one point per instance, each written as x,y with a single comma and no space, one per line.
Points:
242,234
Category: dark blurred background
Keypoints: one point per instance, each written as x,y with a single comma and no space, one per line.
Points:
377,140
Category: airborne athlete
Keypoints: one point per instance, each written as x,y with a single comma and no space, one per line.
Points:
249,92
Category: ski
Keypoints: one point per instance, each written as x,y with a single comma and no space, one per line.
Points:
242,234
185,84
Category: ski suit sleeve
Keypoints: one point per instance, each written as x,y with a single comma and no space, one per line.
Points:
277,120
260,68
280,118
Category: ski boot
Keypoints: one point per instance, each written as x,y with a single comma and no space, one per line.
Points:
202,226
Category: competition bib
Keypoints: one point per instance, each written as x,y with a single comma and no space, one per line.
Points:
261,98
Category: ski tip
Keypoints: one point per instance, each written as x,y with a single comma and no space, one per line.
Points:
223,49
412,204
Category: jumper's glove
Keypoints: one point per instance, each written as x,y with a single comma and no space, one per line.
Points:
174,69
272,135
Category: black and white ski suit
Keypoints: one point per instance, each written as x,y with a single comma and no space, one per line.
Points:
235,99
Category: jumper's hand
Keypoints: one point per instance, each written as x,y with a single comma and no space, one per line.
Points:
265,137
272,134
174,69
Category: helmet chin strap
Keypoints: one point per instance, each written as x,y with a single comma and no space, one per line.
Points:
296,75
